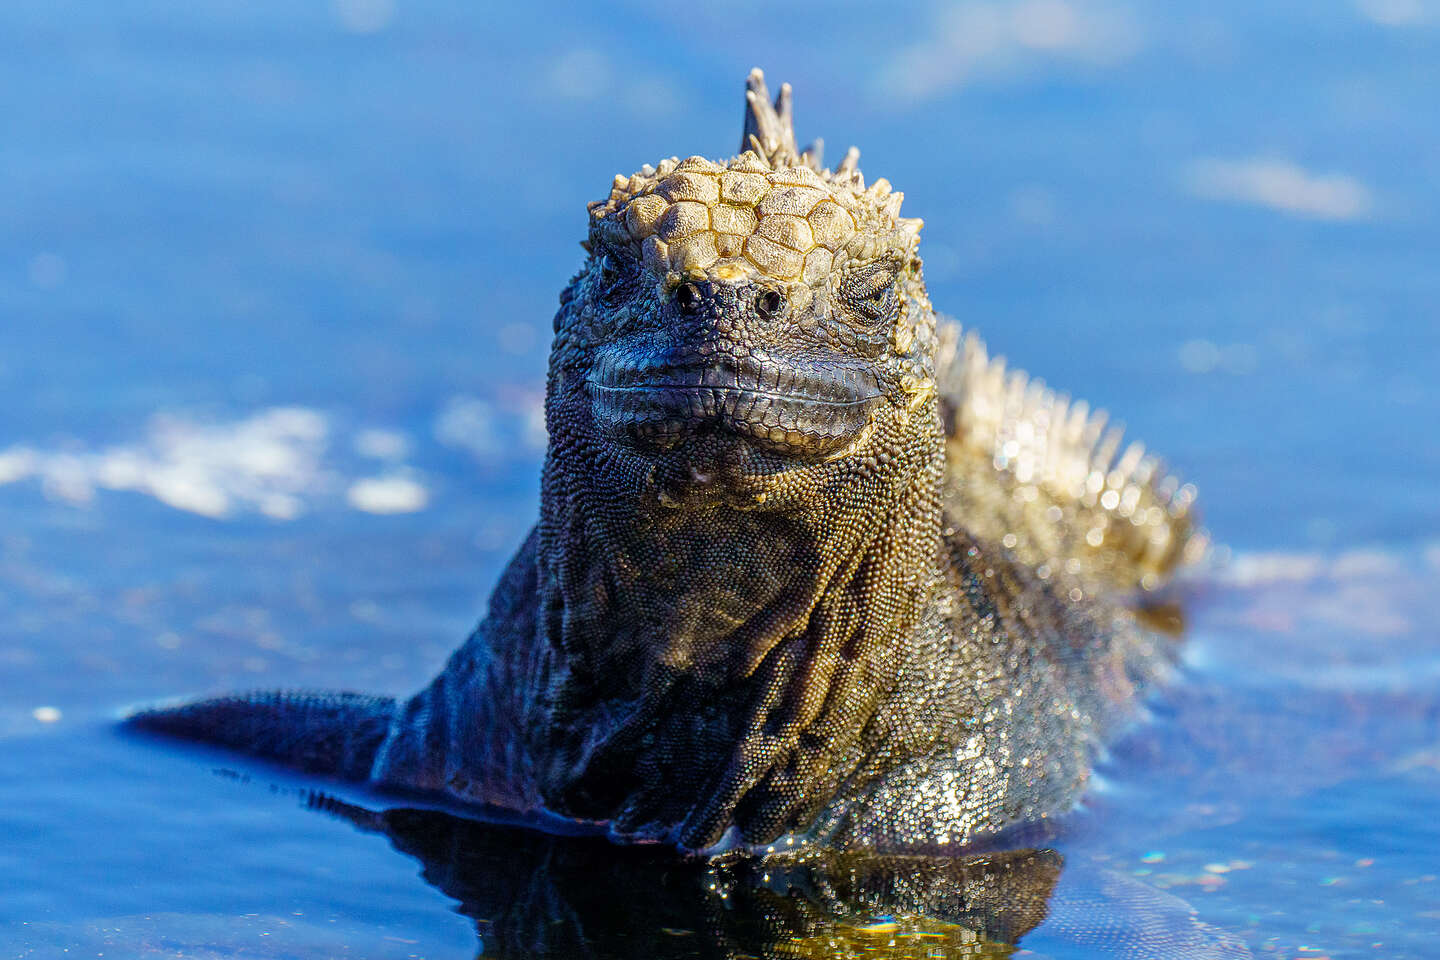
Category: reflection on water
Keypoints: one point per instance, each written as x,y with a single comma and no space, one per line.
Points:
535,895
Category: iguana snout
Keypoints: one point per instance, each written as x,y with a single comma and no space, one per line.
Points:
732,358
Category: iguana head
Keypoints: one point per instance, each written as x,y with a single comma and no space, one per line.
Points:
742,322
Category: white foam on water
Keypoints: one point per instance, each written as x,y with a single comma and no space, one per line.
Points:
977,41
276,463
388,494
1281,185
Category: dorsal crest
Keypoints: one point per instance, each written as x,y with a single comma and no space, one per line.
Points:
770,127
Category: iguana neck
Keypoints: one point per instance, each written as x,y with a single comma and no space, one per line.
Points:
721,654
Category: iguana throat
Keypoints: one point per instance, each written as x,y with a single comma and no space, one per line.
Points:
714,664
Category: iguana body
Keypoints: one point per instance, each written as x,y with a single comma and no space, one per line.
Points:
806,564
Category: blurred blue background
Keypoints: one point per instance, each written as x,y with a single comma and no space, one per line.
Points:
276,282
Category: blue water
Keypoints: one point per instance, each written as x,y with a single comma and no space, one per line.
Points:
276,282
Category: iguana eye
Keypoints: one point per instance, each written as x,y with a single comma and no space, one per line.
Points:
870,291
609,269
610,277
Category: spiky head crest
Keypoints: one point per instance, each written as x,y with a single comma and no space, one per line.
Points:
771,210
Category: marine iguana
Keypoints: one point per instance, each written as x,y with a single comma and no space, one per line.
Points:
809,565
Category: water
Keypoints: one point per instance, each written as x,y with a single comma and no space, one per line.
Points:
276,282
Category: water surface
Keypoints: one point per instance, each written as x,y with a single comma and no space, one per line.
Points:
276,282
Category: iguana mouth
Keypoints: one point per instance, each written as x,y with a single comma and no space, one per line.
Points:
791,407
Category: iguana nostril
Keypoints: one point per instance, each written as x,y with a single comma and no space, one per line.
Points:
770,303
688,296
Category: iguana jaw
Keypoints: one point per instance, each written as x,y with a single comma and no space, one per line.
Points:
793,407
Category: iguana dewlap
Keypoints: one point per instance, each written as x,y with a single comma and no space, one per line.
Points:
807,565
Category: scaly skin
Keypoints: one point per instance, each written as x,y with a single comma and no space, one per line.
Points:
806,566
